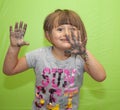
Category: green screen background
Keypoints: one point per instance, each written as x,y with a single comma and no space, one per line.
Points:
102,22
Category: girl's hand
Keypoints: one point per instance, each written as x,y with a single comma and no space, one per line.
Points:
77,46
16,35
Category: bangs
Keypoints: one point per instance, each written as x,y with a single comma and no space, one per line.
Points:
67,18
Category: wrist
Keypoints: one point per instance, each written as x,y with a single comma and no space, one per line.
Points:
84,56
14,48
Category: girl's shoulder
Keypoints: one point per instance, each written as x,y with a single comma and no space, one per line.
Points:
40,50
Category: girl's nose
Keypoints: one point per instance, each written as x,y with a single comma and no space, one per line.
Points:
67,32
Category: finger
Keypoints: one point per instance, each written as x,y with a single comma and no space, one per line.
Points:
75,42
21,30
85,41
21,24
24,28
25,43
79,36
68,39
11,29
16,27
22,44
73,36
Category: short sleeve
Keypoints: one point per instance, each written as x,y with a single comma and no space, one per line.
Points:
31,59
34,56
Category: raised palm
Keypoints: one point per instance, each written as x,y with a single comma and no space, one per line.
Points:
16,35
78,47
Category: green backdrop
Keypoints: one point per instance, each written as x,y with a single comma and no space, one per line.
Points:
102,22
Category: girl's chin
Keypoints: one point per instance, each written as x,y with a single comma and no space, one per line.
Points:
67,48
67,45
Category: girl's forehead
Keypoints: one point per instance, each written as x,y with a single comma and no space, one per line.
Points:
66,25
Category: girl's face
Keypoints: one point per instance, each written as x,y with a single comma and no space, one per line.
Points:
58,36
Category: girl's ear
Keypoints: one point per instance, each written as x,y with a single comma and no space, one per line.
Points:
47,35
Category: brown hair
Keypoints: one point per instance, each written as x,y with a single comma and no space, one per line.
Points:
60,17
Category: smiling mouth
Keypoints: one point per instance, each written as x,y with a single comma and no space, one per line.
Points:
65,40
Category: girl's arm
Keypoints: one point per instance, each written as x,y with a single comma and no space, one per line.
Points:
12,64
94,68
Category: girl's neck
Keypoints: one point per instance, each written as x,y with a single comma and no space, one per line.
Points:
59,54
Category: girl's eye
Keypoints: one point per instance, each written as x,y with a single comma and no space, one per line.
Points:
73,29
59,29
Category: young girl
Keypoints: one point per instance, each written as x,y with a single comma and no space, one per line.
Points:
58,68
